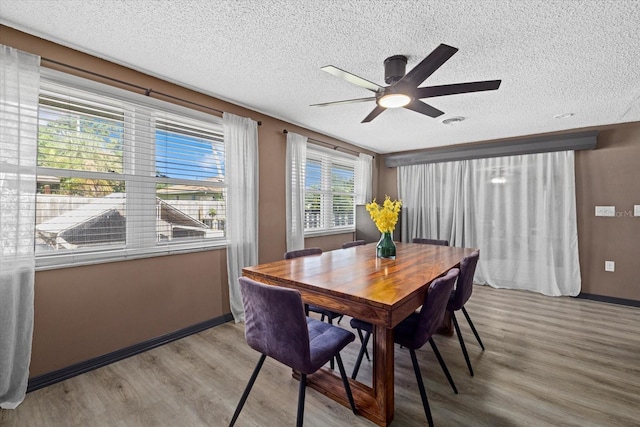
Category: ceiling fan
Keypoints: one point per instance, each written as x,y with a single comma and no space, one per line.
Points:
403,90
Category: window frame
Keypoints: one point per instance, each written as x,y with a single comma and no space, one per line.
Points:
156,110
327,159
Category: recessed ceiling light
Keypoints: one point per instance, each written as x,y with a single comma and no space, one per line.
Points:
452,120
563,116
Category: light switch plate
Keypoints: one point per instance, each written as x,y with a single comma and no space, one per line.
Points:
605,211
609,266
636,210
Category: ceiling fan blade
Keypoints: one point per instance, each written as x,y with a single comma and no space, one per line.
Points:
351,78
454,89
428,65
373,114
421,107
346,101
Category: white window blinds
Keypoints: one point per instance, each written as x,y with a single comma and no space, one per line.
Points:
119,176
329,191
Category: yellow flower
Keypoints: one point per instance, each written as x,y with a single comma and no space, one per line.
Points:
386,216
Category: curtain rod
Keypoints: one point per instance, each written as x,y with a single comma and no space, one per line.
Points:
147,91
334,146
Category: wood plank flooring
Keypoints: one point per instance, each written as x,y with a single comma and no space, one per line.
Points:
548,362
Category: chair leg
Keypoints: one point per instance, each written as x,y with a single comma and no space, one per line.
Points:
443,365
301,391
366,353
340,318
252,380
423,392
363,348
464,347
345,381
331,362
473,328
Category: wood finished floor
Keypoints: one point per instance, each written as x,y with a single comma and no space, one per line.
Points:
548,362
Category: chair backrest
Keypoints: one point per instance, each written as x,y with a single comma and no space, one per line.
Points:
435,304
302,252
275,323
352,244
464,288
430,241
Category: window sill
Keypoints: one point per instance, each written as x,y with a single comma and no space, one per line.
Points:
58,261
318,233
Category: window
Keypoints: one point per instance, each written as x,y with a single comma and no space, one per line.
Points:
123,175
329,191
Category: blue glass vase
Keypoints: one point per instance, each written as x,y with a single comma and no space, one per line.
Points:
385,247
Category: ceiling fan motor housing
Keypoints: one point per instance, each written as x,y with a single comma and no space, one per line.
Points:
394,68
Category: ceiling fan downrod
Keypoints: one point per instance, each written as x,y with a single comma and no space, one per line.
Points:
394,68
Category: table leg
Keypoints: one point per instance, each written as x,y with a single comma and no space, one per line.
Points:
446,328
374,403
383,372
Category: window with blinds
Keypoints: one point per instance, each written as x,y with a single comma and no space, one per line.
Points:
118,177
329,191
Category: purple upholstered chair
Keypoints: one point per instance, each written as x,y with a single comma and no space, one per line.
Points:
365,340
418,328
459,298
347,245
430,241
276,326
302,252
324,312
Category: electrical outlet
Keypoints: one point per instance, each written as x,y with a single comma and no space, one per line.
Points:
609,266
636,210
605,211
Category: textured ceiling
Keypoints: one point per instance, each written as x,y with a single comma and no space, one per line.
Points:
553,57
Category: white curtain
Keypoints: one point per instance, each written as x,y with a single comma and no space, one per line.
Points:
19,87
520,211
431,198
363,182
295,181
241,169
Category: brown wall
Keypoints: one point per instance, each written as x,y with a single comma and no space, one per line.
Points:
85,312
608,175
387,181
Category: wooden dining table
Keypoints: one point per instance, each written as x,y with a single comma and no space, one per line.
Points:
381,291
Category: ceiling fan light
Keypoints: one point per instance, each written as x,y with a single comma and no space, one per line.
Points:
394,100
